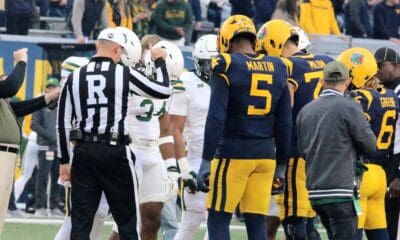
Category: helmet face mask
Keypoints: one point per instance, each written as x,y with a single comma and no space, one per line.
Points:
203,68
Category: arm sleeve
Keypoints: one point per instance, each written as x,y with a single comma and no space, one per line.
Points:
215,122
354,7
143,86
306,22
360,131
29,106
37,126
77,15
159,21
64,122
179,104
282,127
10,86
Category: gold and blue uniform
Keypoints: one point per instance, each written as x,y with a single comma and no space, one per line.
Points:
305,74
249,116
381,108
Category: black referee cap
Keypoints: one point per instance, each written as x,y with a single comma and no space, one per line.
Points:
385,54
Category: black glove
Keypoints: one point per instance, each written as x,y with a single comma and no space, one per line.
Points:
278,183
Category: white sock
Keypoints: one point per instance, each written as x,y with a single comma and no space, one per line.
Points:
189,225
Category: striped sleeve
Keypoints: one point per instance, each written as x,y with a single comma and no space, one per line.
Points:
64,122
143,86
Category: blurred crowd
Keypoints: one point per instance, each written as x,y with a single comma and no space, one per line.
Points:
181,21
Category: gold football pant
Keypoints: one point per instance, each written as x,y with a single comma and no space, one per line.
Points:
244,181
372,198
294,202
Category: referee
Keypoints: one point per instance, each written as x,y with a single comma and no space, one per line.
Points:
92,110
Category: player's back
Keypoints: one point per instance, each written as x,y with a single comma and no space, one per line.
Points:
381,108
305,74
256,85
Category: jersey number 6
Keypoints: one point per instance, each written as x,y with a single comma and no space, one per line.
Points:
386,129
255,91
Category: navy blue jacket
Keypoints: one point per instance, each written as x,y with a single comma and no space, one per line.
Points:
243,7
20,6
386,21
357,18
263,10
196,9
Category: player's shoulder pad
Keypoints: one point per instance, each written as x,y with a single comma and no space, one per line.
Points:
364,96
289,65
220,63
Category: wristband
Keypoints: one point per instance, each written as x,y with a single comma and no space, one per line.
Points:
184,166
170,162
167,139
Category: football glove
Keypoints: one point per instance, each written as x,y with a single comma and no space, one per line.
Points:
278,183
188,177
203,176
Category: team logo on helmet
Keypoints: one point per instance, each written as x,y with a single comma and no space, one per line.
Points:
357,58
262,33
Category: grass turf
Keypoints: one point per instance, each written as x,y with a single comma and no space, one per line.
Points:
21,231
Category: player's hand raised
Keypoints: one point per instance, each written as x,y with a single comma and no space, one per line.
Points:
157,53
203,176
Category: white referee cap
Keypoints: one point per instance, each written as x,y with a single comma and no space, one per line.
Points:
71,63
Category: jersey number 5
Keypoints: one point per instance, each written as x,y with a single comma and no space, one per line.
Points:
314,76
255,91
386,130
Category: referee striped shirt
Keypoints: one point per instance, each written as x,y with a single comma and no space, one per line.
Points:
95,98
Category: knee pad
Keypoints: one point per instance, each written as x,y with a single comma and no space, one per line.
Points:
295,228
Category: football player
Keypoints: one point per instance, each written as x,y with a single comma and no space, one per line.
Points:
189,106
278,38
157,171
247,132
380,106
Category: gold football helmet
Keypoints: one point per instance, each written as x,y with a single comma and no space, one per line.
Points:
361,63
233,26
273,35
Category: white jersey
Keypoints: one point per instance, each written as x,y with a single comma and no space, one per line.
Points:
191,98
143,117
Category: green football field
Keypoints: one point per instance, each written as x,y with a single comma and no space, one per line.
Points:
47,231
